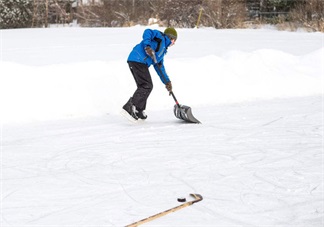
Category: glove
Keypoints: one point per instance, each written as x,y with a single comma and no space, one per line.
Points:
150,52
168,86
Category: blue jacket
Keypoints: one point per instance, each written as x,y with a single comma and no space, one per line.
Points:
159,43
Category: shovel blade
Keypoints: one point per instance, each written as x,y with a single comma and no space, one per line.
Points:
184,113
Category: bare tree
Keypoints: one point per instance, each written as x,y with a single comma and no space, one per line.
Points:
224,13
309,14
180,13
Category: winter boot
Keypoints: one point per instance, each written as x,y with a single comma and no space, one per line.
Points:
130,109
141,114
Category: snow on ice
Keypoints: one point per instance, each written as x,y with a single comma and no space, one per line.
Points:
69,159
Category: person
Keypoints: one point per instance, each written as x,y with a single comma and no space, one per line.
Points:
150,51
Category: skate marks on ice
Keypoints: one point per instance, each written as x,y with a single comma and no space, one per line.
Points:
255,164
276,166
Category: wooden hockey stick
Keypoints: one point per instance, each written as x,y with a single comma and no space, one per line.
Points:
196,197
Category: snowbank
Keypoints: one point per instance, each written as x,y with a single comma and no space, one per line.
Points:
39,82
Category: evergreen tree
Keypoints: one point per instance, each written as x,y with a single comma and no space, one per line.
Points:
15,13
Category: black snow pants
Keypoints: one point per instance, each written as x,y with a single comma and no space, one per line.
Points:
144,84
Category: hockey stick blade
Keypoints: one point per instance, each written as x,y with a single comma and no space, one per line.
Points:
197,198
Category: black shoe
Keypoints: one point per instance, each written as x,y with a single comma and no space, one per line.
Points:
130,109
141,114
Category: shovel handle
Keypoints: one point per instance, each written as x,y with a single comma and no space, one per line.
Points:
175,99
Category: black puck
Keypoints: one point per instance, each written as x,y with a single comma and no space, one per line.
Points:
182,200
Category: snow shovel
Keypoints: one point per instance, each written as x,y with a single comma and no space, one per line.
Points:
180,111
183,112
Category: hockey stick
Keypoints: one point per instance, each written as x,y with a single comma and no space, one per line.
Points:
196,197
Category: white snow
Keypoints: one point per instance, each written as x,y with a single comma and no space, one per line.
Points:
69,159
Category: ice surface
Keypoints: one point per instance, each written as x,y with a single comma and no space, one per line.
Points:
69,159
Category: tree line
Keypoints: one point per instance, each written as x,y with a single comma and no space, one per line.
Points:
177,13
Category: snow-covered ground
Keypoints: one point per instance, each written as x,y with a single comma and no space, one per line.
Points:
69,159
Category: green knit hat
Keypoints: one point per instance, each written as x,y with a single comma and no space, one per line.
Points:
171,33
